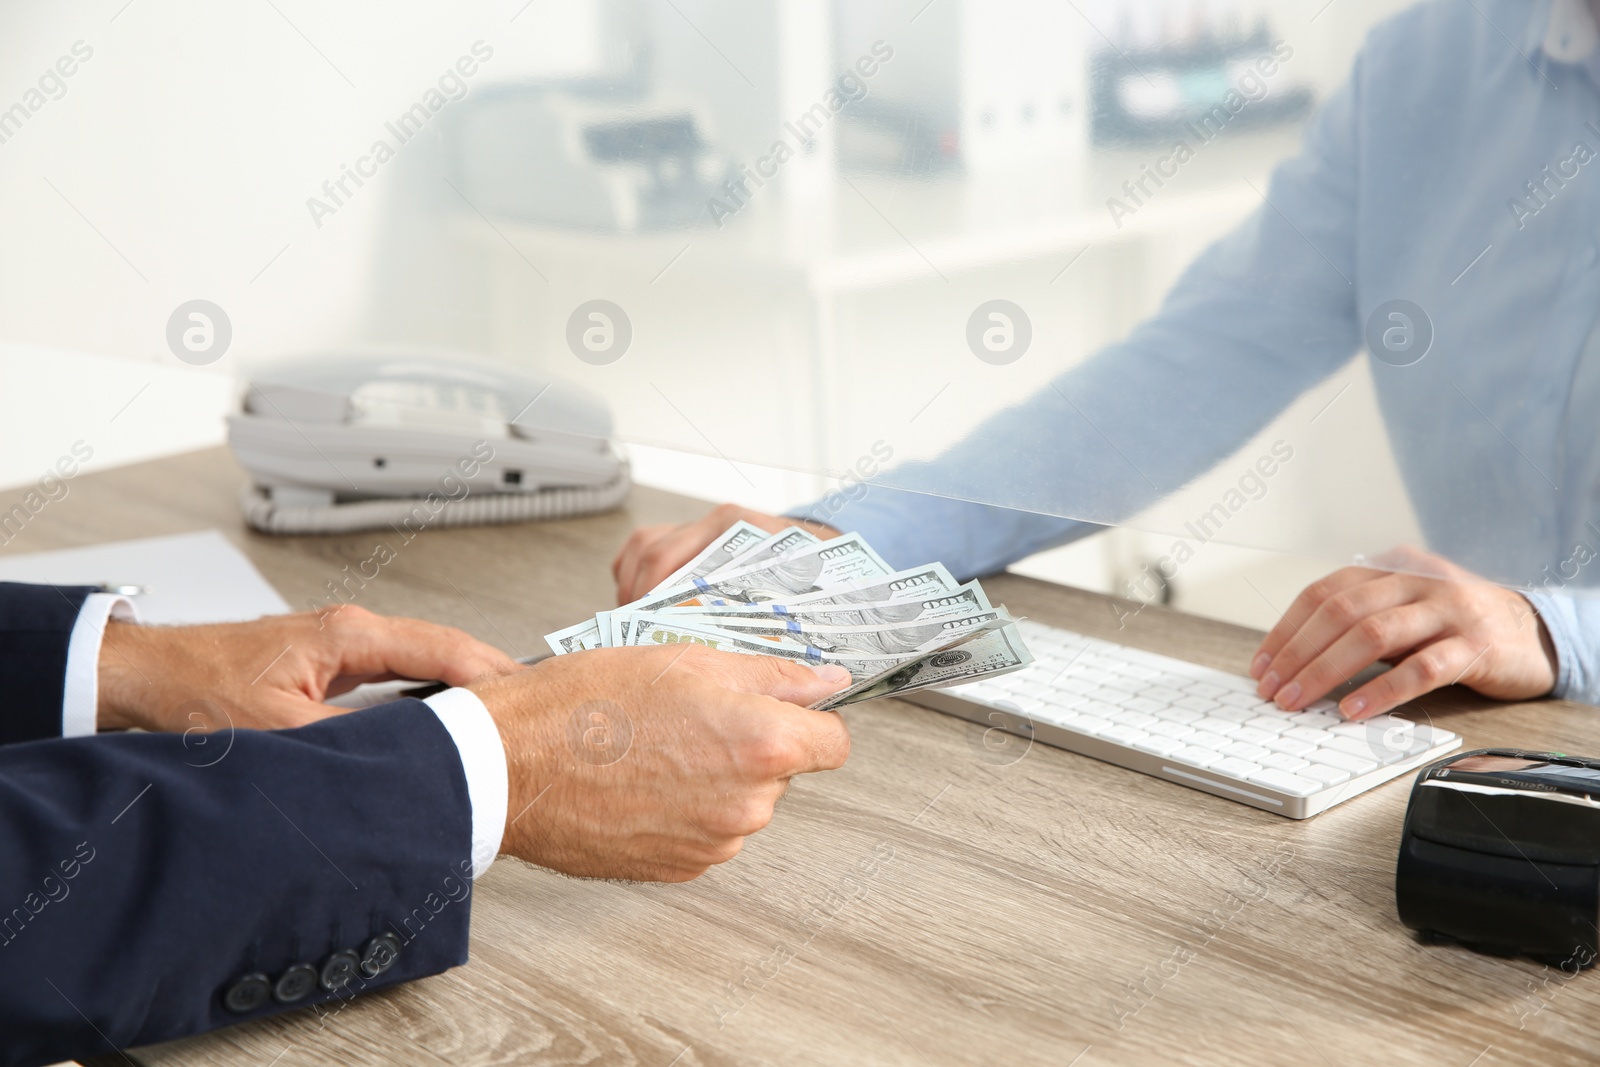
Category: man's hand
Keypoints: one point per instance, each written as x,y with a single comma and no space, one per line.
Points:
653,552
655,763
1440,624
274,672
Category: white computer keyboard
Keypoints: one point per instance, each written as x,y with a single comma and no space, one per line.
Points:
1188,724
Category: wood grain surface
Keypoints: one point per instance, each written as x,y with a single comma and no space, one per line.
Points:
937,901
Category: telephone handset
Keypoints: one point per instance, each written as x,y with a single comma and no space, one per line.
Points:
345,442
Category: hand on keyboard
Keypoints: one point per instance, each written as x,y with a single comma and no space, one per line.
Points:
1200,727
1443,624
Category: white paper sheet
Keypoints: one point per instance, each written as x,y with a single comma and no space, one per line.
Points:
187,578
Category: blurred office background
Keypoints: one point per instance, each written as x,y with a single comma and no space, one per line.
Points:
964,150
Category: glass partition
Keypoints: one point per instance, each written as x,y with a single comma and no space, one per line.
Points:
1312,277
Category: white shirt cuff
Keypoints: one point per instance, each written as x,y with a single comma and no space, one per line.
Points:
80,698
483,758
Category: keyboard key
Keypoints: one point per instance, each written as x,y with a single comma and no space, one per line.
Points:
1232,714
1253,736
1149,659
1322,720
1433,735
1209,690
1098,708
1162,693
1135,719
1196,756
1239,768
1179,715
1306,733
1144,674
1378,724
1282,761
1175,730
1161,746
1240,700
1067,720
1292,746
1366,748
1203,739
1080,722
1144,704
1253,753
1321,772
1055,716
1393,734
1284,782
1342,760
1125,735
1093,725
1234,683
1220,727
1194,703
1273,724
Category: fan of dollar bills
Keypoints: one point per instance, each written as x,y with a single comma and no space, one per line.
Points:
791,594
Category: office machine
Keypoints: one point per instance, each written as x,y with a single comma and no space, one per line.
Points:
1181,91
1188,724
1501,853
346,442
557,158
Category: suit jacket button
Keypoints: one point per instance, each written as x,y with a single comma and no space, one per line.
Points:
295,984
380,954
340,970
247,994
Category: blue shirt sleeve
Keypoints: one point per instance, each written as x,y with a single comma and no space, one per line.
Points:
912,529
1258,318
1574,626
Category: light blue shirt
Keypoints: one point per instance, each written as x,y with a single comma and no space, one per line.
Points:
1435,150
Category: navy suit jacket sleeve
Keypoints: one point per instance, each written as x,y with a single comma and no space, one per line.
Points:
35,629
151,889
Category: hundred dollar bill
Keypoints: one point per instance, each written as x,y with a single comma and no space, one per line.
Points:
999,651
863,667
913,583
844,560
968,600
903,640
898,641
897,585
770,548
735,541
575,638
